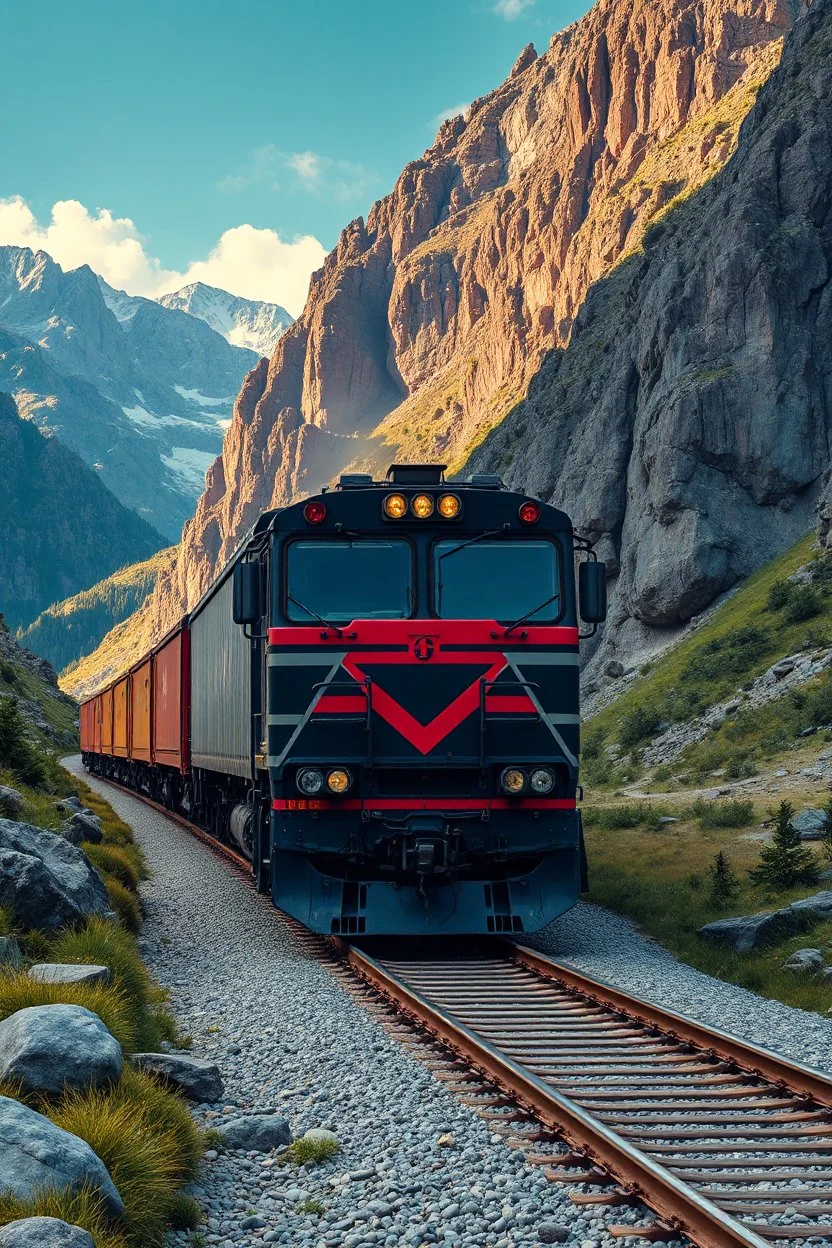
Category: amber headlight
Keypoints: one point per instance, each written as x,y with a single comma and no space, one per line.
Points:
449,506
338,780
513,781
422,506
395,506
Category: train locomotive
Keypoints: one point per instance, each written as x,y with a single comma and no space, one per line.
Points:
377,702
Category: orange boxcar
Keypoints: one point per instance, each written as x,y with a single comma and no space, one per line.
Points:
140,712
96,724
107,721
86,727
121,717
170,702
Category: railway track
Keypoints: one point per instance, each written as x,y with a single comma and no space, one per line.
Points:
625,1101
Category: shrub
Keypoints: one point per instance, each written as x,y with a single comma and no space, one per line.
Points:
731,655
592,743
184,1213
786,862
82,1208
16,750
778,595
819,703
804,602
637,726
115,860
633,815
723,814
125,903
18,991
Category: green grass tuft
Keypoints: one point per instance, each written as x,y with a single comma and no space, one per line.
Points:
126,904
184,1212
83,1208
304,1151
116,861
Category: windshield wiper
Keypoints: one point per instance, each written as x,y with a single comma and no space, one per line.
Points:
446,554
555,598
315,616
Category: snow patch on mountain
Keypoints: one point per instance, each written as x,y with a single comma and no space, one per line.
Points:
244,323
189,464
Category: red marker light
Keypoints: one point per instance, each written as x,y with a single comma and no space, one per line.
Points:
314,513
530,513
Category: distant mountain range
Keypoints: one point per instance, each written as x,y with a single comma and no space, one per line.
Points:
60,527
242,322
141,391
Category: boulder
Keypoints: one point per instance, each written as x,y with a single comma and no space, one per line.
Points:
70,973
818,906
52,1047
44,1233
257,1133
753,931
197,1079
35,1154
44,880
10,954
68,805
614,669
10,801
88,825
782,669
810,823
804,961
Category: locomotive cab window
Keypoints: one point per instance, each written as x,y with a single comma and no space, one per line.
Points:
497,579
343,580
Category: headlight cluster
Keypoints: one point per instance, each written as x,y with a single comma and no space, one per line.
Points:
312,781
516,781
422,506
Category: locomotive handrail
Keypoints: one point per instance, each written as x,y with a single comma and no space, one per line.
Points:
364,686
485,687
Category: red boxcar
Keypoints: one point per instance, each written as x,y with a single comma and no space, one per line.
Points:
121,718
140,700
107,721
170,700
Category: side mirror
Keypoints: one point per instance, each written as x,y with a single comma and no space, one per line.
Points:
592,592
247,607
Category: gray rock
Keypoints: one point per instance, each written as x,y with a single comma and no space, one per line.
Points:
818,906
810,823
89,826
10,801
825,973
804,961
46,882
44,1233
614,669
258,1132
197,1079
753,931
70,973
52,1047
35,1154
782,669
10,954
68,805
549,1233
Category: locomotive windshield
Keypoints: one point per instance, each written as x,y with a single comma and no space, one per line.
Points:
497,580
346,580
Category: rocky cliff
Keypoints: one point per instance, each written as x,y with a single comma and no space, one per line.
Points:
60,528
425,324
687,425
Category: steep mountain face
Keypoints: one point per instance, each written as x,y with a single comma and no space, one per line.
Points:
242,322
142,393
687,426
424,325
67,630
60,528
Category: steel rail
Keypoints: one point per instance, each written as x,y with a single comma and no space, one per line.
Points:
680,1206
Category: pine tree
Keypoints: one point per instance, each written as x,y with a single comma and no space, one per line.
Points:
724,884
16,750
786,862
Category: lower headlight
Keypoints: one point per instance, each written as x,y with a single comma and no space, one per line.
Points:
338,780
310,781
513,781
542,781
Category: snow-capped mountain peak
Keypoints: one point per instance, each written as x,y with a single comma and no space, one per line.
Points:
242,322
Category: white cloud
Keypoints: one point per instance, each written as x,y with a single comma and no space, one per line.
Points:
511,9
254,263
447,113
305,171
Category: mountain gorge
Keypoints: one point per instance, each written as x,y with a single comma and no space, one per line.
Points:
425,325
141,392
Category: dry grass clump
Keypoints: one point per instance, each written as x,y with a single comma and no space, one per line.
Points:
83,1208
113,1007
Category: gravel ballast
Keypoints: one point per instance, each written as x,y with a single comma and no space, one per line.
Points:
290,1042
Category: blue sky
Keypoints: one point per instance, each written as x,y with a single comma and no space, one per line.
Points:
168,123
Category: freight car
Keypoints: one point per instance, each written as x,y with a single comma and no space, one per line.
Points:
377,702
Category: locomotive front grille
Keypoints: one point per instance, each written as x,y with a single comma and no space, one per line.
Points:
427,782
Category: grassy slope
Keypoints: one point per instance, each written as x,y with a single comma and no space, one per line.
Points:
67,630
659,874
